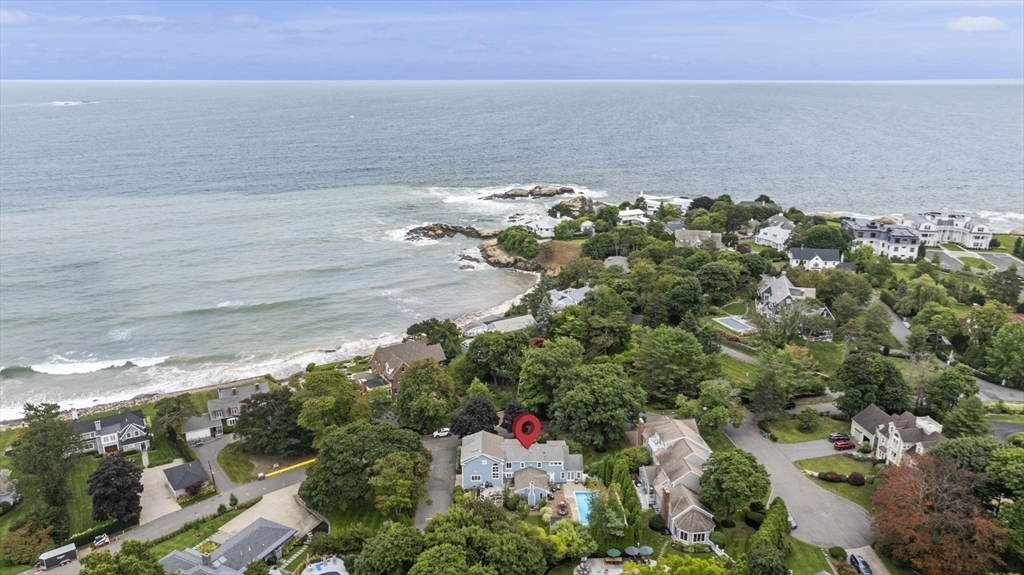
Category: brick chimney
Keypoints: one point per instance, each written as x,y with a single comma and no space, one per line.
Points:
665,503
234,391
640,432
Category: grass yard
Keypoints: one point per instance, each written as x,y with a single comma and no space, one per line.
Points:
787,432
737,539
844,466
828,355
80,506
904,272
559,254
1006,418
756,248
365,514
952,247
976,263
893,568
718,441
805,559
236,464
739,373
195,535
590,454
12,569
737,308
1006,242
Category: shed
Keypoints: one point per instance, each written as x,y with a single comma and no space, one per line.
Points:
181,476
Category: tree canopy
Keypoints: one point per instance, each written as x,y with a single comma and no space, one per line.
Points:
732,479
46,451
426,395
669,361
437,331
115,488
866,378
269,424
595,403
478,415
134,558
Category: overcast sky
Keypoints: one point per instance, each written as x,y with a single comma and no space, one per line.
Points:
819,40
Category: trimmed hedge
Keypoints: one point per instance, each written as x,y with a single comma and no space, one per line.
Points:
774,530
718,538
821,475
754,519
856,478
656,522
87,537
757,507
837,553
832,477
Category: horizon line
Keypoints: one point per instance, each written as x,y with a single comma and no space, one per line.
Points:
663,80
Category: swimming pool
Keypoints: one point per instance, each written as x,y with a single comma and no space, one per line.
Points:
583,504
736,324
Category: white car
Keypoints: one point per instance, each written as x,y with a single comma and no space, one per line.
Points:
443,432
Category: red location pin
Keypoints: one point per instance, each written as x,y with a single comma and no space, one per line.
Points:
526,428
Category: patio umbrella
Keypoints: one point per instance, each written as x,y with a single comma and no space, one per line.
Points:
614,552
632,551
645,550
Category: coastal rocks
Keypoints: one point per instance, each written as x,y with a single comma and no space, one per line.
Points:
575,207
438,231
499,258
467,258
534,192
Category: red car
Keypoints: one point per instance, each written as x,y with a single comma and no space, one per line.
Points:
844,444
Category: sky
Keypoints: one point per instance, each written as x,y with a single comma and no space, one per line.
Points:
719,40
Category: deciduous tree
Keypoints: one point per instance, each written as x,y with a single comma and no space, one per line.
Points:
732,479
966,419
172,409
438,331
393,551
269,424
397,481
1006,471
920,291
868,378
134,558
426,395
928,515
1006,354
718,280
968,452
1005,286
596,403
952,385
669,361
478,415
513,409
544,369
115,488
46,451
498,354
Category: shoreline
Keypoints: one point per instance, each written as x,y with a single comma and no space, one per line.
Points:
462,321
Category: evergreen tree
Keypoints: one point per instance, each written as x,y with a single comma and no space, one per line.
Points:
967,419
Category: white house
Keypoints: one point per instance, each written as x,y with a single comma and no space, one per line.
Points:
935,228
633,218
503,325
491,460
893,436
543,226
655,202
125,431
891,241
817,259
672,481
774,233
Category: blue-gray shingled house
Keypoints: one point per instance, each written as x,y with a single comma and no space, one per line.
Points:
262,540
490,458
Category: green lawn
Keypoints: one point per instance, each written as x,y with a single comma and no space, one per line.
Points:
893,568
904,272
12,569
718,441
976,263
952,247
805,559
80,506
591,454
365,515
1005,418
738,372
235,464
828,355
756,248
844,466
737,539
195,535
1006,242
787,432
737,308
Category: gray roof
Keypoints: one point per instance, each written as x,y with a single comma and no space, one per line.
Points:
781,221
866,225
508,450
692,238
198,422
111,423
482,443
805,254
565,298
507,324
673,226
780,288
258,540
392,357
228,397
180,476
524,477
871,417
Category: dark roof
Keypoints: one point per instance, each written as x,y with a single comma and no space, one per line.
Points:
848,266
374,382
805,254
407,352
871,417
198,422
185,474
256,541
118,420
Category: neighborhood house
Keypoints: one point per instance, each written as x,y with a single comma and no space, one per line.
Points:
181,476
220,412
672,482
543,226
892,241
489,458
696,238
389,363
935,228
893,436
262,540
633,217
775,232
125,431
818,259
565,298
503,325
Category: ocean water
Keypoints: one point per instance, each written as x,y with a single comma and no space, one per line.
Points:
166,235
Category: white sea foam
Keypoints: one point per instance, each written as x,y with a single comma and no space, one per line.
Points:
121,333
73,103
68,367
231,303
1004,221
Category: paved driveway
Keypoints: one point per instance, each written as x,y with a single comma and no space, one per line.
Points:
946,261
207,455
825,519
157,498
1001,261
869,555
994,392
442,478
807,449
1002,430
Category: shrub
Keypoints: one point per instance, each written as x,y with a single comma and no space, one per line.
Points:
821,475
757,506
718,538
221,509
636,457
195,487
656,522
233,500
837,553
457,493
344,540
809,420
864,447
519,241
842,478
5,506
832,476
856,478
846,569
754,519
773,437
574,446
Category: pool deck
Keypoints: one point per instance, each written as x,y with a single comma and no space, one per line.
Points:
570,489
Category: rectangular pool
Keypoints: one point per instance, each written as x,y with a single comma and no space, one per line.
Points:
583,505
735,324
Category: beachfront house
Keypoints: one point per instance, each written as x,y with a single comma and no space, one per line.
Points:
895,436
124,431
390,362
775,292
818,259
221,412
889,240
261,540
181,476
774,233
491,460
543,226
502,325
672,481
633,218
697,238
655,202
936,228
565,298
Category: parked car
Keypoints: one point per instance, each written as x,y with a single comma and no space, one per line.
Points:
792,522
833,437
100,541
443,432
860,564
844,444
790,404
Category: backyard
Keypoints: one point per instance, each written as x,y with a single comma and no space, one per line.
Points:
844,466
364,514
787,432
236,464
736,308
194,535
828,355
803,559
80,506
739,373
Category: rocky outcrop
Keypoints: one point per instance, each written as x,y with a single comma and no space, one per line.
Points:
534,192
499,258
438,231
575,207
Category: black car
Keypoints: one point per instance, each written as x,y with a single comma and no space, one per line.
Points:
790,405
860,564
834,437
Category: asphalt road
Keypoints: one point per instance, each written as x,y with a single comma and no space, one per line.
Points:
807,449
207,455
824,519
442,479
1002,430
945,260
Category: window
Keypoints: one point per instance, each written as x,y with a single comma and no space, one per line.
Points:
556,463
508,465
496,472
562,476
474,478
522,465
698,537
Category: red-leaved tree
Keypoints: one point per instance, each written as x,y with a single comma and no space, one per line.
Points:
927,515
